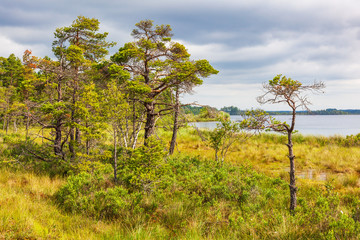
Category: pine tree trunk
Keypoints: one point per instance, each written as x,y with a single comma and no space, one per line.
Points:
216,155
57,140
133,124
150,122
27,128
293,188
115,156
87,146
73,120
58,131
78,135
175,127
71,142
15,127
7,125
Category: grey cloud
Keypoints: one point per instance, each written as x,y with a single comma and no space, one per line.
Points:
248,41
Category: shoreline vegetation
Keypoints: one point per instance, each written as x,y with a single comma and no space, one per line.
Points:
211,114
203,114
232,110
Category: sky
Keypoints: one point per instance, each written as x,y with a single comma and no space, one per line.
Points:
248,41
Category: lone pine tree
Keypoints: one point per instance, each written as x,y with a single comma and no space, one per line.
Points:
282,90
286,90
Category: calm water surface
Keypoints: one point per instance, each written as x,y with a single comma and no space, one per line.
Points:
325,125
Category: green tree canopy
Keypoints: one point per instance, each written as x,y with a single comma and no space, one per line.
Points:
159,63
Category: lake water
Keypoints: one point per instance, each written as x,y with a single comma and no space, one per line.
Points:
325,125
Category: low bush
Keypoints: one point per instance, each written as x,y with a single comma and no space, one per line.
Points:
142,168
95,195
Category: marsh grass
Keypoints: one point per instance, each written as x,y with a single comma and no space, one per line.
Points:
268,153
247,198
27,210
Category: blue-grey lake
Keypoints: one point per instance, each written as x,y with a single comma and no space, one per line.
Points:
325,125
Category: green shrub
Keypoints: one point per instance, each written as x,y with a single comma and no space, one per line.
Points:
323,217
142,168
211,199
95,195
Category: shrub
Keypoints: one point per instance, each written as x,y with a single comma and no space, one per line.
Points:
142,168
212,199
95,195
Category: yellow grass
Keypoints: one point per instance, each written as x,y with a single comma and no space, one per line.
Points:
27,209
339,164
28,212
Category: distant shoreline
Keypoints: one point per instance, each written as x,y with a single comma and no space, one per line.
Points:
207,112
330,111
319,112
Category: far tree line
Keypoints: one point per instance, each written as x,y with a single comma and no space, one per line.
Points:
232,110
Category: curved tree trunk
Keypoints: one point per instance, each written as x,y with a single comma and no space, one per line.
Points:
176,123
72,128
58,125
27,127
115,155
292,185
57,140
150,121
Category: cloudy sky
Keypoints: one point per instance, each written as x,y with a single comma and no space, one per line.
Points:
248,41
